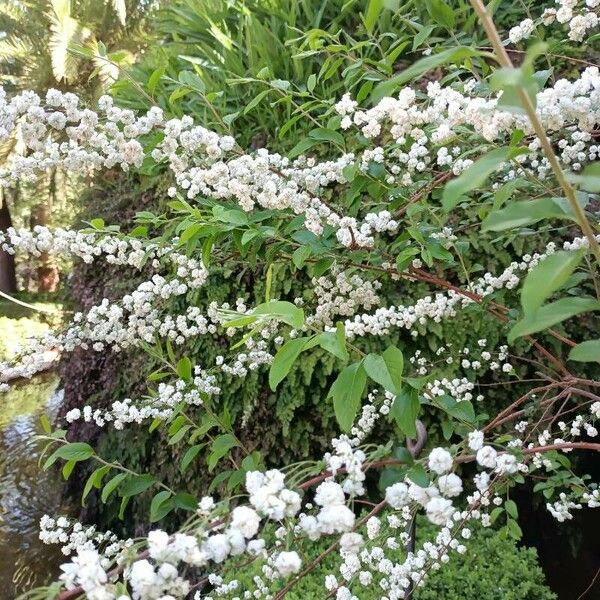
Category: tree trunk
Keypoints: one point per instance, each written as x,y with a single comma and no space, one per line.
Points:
8,277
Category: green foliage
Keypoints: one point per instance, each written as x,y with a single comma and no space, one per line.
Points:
547,277
346,393
586,351
476,175
386,369
494,567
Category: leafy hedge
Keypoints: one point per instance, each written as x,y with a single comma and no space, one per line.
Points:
494,568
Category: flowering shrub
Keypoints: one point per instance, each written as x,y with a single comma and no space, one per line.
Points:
382,206
494,566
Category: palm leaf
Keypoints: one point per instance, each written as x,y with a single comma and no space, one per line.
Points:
64,31
121,10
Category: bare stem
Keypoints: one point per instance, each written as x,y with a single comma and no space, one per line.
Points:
505,61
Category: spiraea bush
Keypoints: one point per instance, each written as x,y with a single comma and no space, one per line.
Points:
386,210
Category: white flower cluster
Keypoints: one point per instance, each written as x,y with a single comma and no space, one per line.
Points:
270,497
445,305
74,537
521,31
160,406
333,517
580,19
195,155
341,294
137,317
86,570
447,112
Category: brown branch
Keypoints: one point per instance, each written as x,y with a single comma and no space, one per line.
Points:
424,191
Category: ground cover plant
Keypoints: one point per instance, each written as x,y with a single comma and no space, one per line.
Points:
400,178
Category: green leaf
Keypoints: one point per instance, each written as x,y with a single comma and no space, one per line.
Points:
418,476
511,509
386,370
311,82
94,481
232,216
285,311
476,175
136,484
514,531
191,80
219,448
235,480
219,479
68,469
334,343
586,351
327,135
256,100
300,255
184,368
157,509
441,13
189,456
588,179
462,410
546,277
177,424
284,359
97,223
346,393
405,257
551,314
403,455
301,147
288,125
123,506
495,514
520,214
179,435
269,283
249,235
45,423
423,34
512,81
186,501
75,451
372,13
190,231
280,84
111,486
451,55
155,78
405,411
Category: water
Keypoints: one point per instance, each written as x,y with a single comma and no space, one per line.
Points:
27,492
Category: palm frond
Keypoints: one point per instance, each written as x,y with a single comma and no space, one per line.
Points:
121,10
64,31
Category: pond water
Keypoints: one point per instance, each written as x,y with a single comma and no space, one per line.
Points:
27,492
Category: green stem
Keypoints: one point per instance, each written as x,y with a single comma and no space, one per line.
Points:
505,61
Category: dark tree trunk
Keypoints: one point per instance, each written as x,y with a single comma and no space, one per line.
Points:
8,277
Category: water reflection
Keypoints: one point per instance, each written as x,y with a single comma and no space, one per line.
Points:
26,492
